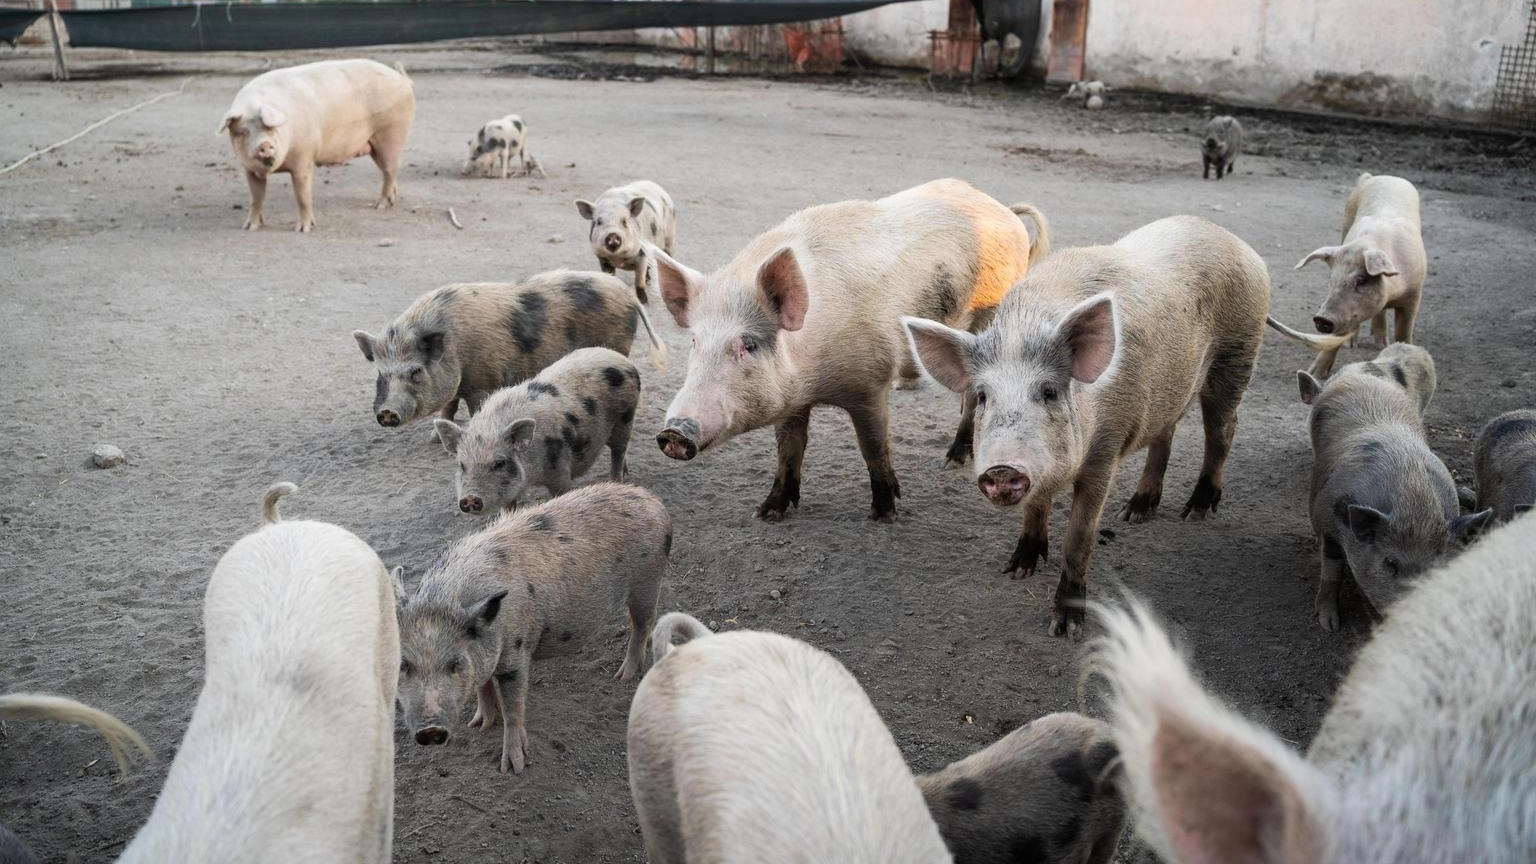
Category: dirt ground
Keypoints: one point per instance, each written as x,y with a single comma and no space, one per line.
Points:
137,313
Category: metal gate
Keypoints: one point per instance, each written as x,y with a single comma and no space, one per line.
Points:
1514,90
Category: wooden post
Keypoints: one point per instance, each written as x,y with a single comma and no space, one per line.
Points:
60,69
709,53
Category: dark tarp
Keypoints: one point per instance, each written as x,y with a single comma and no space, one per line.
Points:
14,22
283,26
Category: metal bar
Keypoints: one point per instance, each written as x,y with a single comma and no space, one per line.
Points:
60,68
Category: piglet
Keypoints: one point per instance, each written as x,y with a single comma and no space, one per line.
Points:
1047,792
535,583
1506,464
546,431
326,113
290,753
625,219
499,144
1383,506
751,746
1223,141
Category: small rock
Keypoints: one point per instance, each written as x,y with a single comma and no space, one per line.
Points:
1507,382
386,242
1054,671
713,625
775,594
107,456
555,238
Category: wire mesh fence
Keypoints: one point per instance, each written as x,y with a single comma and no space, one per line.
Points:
1514,90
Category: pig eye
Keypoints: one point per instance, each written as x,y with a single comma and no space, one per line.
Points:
499,465
1391,564
981,397
463,467
418,375
455,666
405,666
749,345
1049,393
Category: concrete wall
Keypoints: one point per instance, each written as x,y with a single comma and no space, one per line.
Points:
1391,57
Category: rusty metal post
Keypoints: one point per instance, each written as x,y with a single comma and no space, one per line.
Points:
60,68
709,53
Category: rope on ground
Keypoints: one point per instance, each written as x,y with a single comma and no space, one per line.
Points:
91,128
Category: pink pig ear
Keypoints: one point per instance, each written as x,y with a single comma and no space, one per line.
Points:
1378,264
1322,253
783,287
229,119
272,117
679,283
1091,333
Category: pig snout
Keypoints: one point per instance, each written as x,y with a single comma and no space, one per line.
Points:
428,736
387,417
1003,485
266,153
612,242
1323,325
471,504
680,439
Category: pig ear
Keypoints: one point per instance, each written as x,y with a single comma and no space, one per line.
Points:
943,352
520,432
367,342
1365,522
1322,253
1308,386
1522,509
636,205
272,117
783,288
1470,527
1378,264
679,284
1090,330
397,581
450,433
431,345
477,615
584,207
229,118
1214,788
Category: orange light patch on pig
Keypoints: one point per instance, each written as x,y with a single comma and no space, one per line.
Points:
1002,257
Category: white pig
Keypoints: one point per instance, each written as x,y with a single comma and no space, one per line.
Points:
497,145
624,220
1424,758
327,113
290,752
755,747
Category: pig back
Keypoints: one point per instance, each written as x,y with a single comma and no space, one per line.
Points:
337,106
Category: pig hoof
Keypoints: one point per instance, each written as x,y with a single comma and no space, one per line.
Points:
889,516
772,514
958,455
1328,619
253,224
1068,624
1030,552
1142,507
1203,500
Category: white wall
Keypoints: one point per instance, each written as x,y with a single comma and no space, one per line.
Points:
896,34
1397,57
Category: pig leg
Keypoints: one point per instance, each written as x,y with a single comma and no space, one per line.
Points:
965,434
871,425
557,478
258,184
303,181
1224,385
486,710
618,446
1220,170
1379,330
1207,174
1402,320
1034,541
1323,364
1327,604
642,276
792,435
643,595
1088,496
1149,489
504,156
607,268
512,699
387,148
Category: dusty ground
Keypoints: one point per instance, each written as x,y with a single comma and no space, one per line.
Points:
137,313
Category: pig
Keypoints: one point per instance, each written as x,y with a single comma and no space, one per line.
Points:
1223,141
535,583
1424,756
290,753
497,145
545,431
1406,365
326,113
467,341
809,314
13,850
1046,792
1096,354
1380,265
625,219
1383,506
751,746
1506,464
